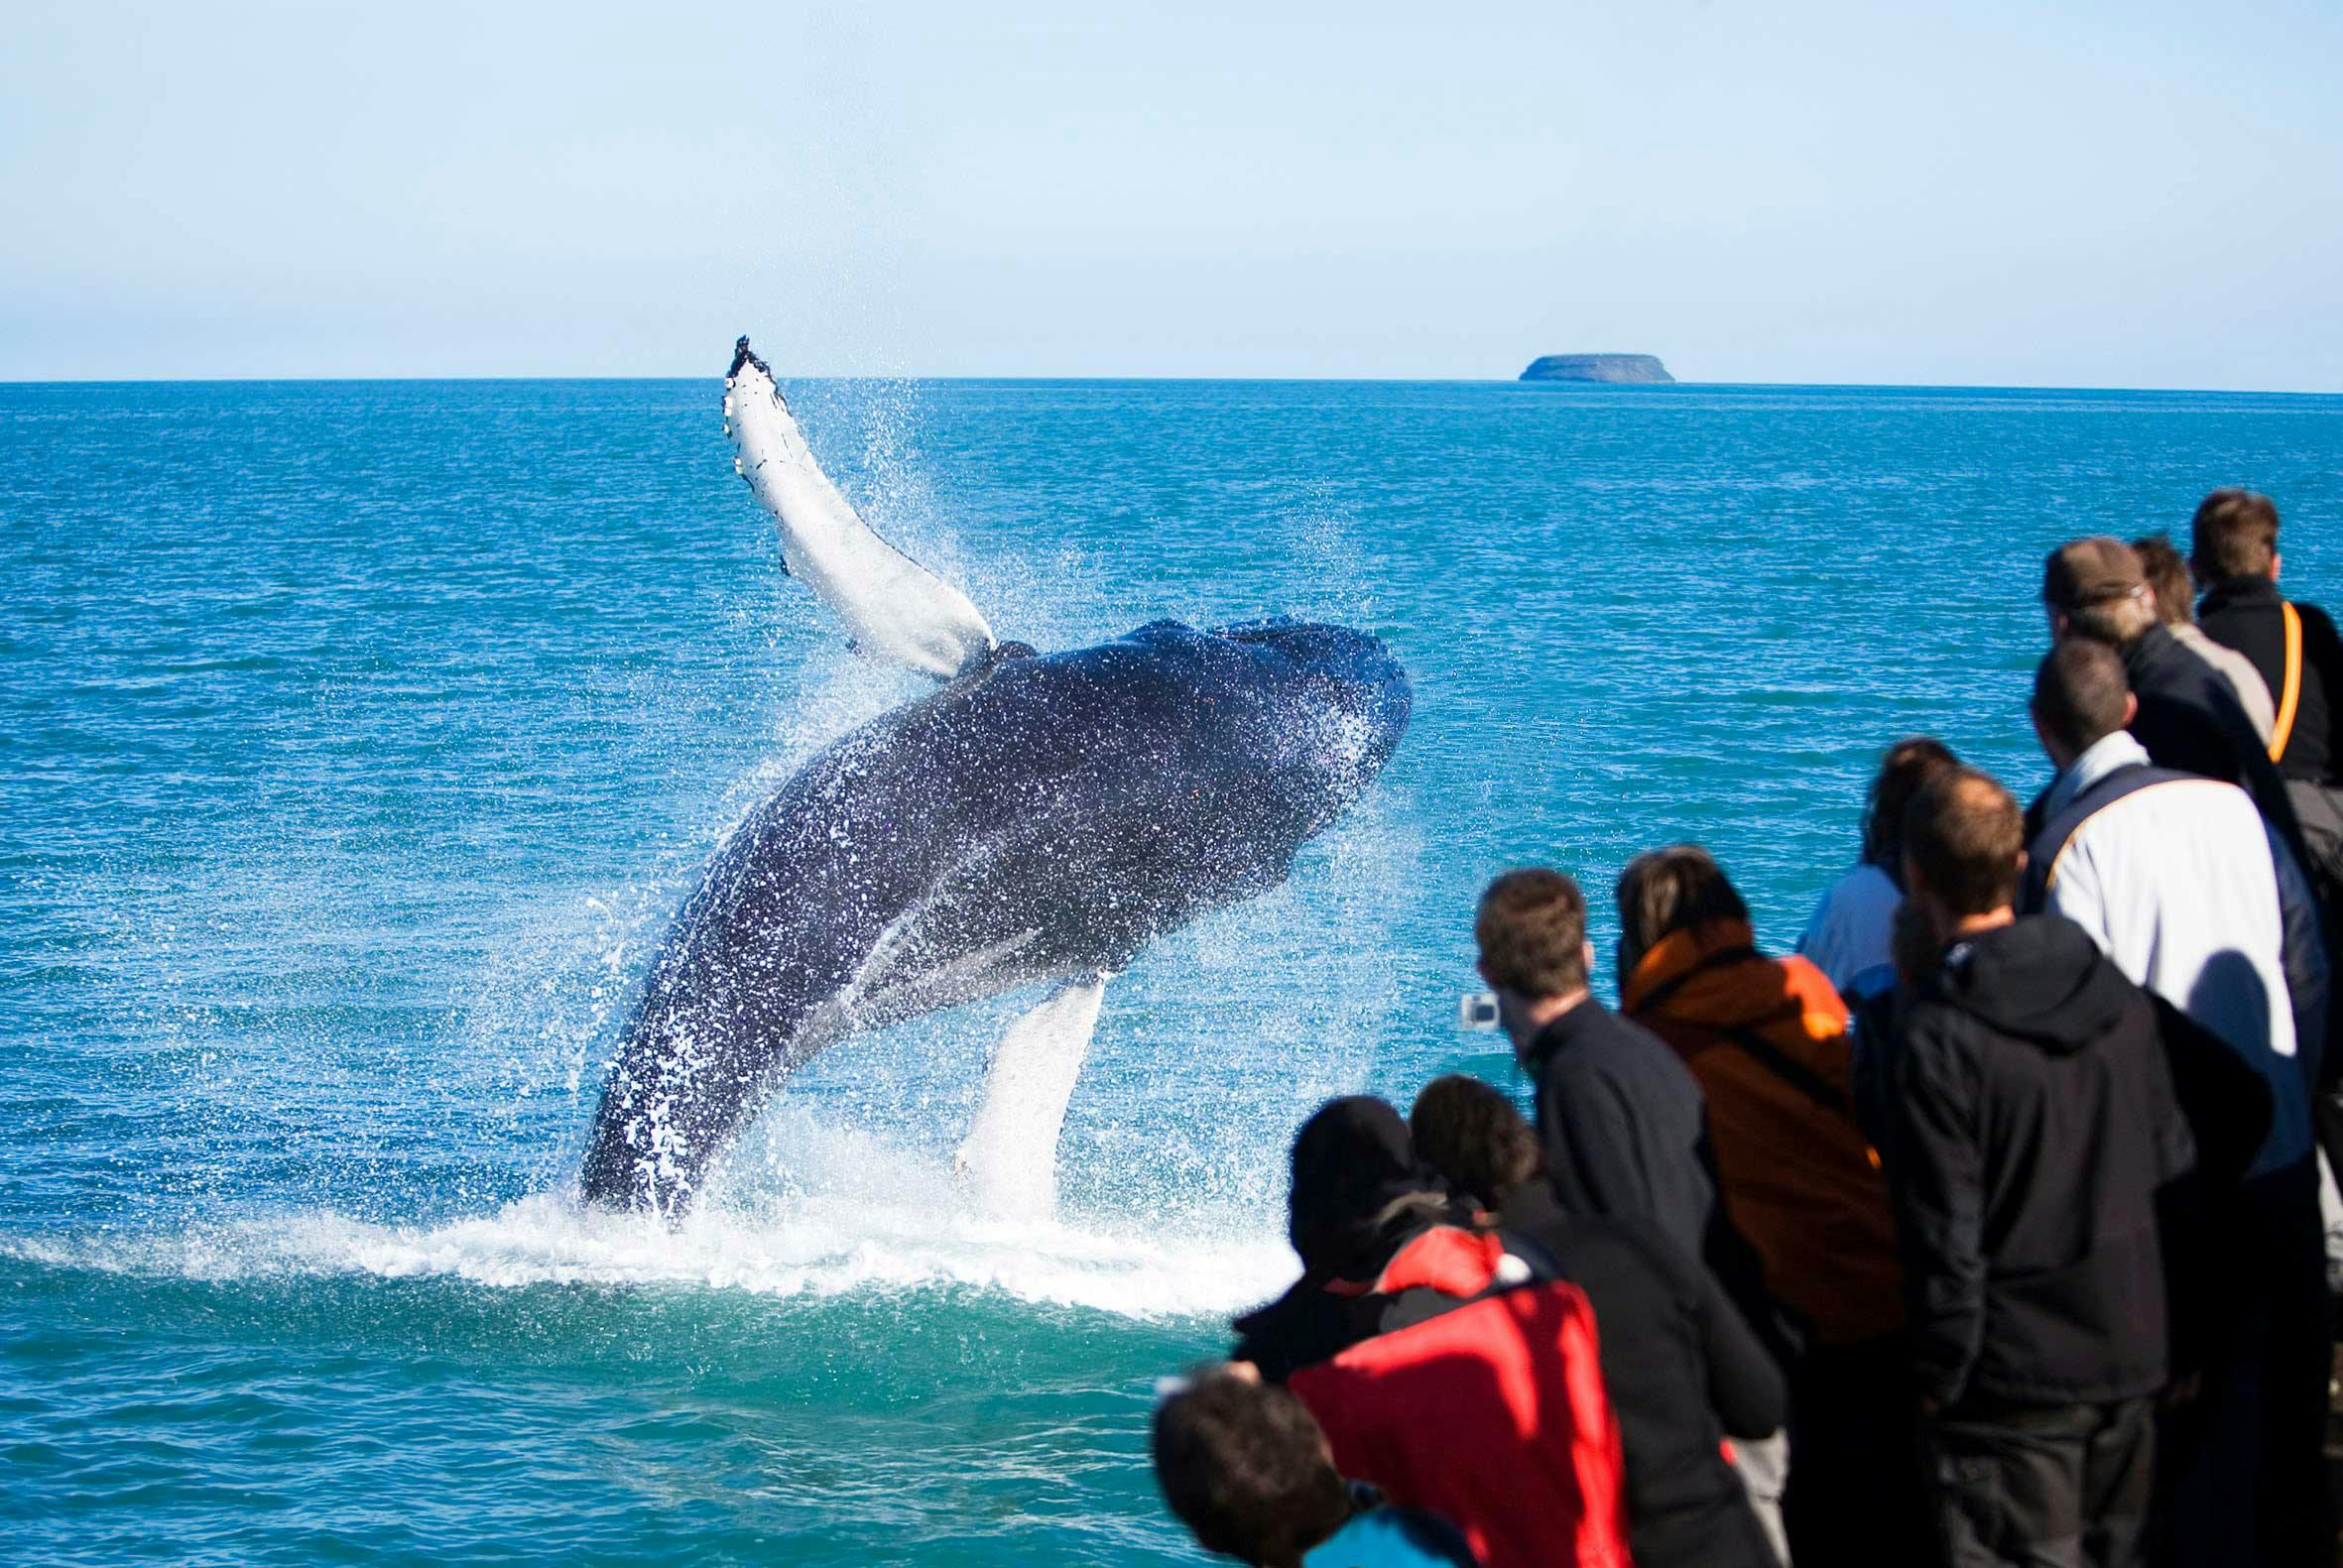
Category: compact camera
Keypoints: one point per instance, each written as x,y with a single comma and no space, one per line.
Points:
1477,1010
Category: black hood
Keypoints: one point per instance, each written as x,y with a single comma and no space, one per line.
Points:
1352,1162
2040,980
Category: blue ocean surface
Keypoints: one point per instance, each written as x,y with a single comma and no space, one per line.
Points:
358,741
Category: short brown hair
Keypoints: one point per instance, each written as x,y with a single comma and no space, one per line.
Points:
1245,1467
1531,931
1966,837
2167,574
1666,891
2234,535
1473,1137
2079,689
1909,764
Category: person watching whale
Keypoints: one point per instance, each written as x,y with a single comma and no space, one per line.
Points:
1450,1365
1622,1120
1767,1039
1683,1369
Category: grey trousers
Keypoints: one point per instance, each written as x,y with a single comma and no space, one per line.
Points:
2065,1487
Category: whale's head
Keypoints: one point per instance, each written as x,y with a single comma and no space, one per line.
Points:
1341,687
1323,708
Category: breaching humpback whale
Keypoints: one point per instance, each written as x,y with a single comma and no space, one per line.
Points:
1035,821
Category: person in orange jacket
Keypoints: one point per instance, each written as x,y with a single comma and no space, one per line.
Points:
1767,1039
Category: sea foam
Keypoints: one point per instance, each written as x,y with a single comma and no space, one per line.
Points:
813,1246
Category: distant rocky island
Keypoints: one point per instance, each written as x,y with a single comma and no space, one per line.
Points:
1619,368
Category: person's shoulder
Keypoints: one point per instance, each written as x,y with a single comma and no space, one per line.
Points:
2149,795
1863,886
1626,1248
1932,1031
1392,1536
1804,982
1624,1051
2315,620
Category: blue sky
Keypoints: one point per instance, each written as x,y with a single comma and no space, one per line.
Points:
2052,193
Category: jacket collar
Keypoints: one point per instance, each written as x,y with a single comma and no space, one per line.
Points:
1587,1017
2106,755
2247,592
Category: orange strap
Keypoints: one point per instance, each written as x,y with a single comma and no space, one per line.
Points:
2286,699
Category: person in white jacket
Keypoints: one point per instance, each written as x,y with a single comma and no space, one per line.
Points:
2183,886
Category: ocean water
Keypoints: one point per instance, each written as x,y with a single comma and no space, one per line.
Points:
358,739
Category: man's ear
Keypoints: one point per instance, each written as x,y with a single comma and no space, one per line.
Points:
2130,709
2276,560
1586,957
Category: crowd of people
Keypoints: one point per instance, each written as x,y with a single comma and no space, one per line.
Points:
1986,1229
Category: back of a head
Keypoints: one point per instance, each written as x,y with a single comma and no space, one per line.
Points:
2079,693
1473,1137
1351,1164
2234,535
1908,764
1245,1467
1531,931
2167,574
1966,837
1666,890
2097,585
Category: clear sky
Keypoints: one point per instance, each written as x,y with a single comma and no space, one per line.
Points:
2059,193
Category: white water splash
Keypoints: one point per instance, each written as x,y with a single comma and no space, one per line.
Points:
884,1221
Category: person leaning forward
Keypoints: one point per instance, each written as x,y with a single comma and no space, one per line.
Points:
2188,716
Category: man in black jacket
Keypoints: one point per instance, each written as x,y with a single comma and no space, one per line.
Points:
2233,554
2031,1129
1622,1120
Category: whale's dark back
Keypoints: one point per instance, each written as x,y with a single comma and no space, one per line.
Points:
1041,819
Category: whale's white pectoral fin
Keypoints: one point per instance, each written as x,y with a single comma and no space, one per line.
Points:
895,608
1009,1160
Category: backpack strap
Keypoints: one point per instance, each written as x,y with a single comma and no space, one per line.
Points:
1783,1065
2291,694
2051,837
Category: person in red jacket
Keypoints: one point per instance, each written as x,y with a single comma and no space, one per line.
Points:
1449,1370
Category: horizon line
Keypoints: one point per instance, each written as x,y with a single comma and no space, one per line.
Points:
1660,388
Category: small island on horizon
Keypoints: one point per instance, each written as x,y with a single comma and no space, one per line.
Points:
1615,369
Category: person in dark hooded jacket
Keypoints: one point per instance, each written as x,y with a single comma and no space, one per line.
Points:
2033,1130
1358,1196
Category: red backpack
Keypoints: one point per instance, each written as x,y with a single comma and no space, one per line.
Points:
1491,1414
